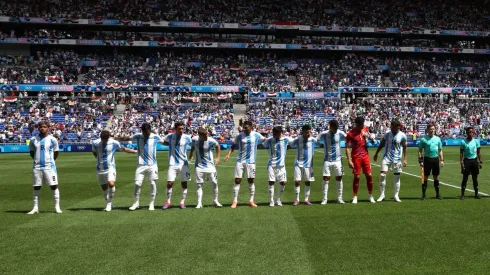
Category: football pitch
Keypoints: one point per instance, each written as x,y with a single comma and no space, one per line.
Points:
412,237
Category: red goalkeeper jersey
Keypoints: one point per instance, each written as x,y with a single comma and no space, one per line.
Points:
358,141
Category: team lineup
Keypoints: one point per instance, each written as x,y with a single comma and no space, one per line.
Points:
44,151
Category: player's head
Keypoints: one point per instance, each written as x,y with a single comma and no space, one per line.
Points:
105,135
179,128
431,129
203,134
333,125
43,127
395,126
306,131
277,132
359,123
247,127
146,129
470,132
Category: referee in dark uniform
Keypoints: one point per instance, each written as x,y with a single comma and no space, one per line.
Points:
432,158
471,162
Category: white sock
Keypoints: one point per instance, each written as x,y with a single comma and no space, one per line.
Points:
307,192
137,192
153,191
325,190
56,197
251,188
106,195
169,194
340,187
215,191
35,197
184,196
280,190
382,184
112,191
396,184
199,193
297,189
271,192
236,190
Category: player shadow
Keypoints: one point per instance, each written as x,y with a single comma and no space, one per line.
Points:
100,209
26,211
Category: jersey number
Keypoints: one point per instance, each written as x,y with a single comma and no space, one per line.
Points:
42,147
54,178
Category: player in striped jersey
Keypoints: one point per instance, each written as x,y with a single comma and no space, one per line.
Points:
147,164
178,143
103,150
246,142
303,166
44,151
332,161
395,155
276,167
205,164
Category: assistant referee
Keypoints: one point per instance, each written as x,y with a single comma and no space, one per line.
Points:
471,162
432,158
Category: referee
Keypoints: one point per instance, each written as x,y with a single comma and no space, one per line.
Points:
471,163
432,159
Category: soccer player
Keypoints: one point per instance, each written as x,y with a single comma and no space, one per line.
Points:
395,144
432,159
103,150
470,158
247,142
177,162
303,166
205,164
358,156
43,149
147,164
276,167
332,161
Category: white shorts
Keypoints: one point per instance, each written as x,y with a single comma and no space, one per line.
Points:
183,172
386,165
151,171
40,177
103,178
250,167
335,166
277,174
304,173
206,175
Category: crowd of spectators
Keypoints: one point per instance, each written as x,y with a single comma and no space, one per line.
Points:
449,14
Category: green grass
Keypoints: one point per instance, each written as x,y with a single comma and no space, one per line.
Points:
412,237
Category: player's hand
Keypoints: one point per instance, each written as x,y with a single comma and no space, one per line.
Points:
462,165
480,165
404,163
375,157
216,161
226,158
351,164
190,159
442,163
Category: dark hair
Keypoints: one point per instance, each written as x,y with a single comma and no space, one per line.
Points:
178,124
468,129
277,130
105,134
333,123
359,120
395,123
146,127
306,127
247,123
202,131
432,124
43,123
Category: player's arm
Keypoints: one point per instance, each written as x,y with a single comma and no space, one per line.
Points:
32,149
348,144
420,154
33,154
461,156
192,152
130,151
380,146
123,138
218,154
441,154
480,162
56,149
405,157
232,148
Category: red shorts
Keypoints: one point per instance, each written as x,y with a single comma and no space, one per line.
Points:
361,162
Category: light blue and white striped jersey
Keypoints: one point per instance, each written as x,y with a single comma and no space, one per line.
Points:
277,150
247,146
147,148
204,153
105,154
177,148
305,150
44,149
331,142
393,147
